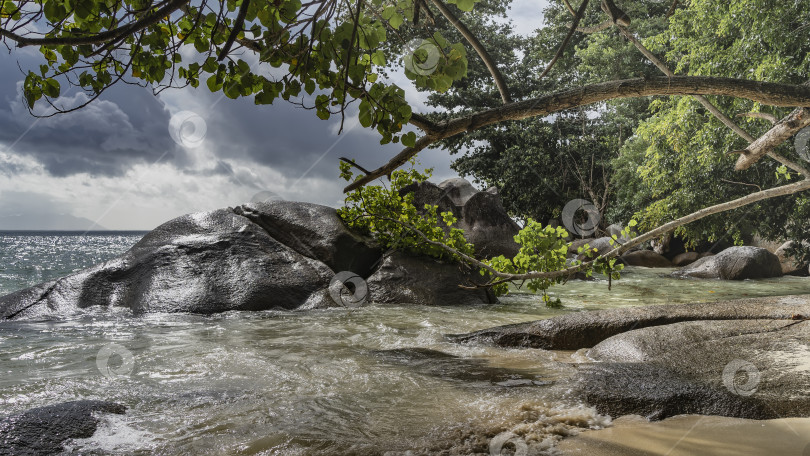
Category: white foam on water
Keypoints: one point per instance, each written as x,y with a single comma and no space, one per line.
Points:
114,435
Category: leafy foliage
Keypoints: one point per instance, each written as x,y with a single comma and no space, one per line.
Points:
678,161
328,53
389,216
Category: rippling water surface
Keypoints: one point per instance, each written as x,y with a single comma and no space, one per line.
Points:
374,380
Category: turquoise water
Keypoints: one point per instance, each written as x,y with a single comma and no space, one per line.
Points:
377,380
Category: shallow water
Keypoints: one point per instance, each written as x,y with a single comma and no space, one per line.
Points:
374,380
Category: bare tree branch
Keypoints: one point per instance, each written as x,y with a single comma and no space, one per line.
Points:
615,13
577,18
596,28
783,130
479,48
764,92
759,115
711,107
237,27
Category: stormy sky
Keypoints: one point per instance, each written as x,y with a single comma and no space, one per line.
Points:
132,160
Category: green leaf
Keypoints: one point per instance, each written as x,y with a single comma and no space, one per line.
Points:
409,139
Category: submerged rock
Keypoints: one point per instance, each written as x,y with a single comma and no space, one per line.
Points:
44,430
577,330
735,263
746,369
403,278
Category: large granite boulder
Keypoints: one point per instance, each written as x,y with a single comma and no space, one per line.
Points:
645,258
44,430
204,263
403,278
578,330
735,263
481,215
747,369
316,232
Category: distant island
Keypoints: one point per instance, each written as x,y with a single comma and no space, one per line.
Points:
48,222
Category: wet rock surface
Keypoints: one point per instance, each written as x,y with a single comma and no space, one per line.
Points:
746,369
585,329
403,278
745,358
44,430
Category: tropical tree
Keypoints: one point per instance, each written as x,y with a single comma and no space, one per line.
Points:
335,51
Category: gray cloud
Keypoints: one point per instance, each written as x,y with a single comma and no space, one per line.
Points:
128,125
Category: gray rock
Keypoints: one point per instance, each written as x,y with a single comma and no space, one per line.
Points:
316,232
746,369
430,193
789,265
646,258
204,263
685,258
44,430
585,329
403,278
656,392
614,230
735,263
602,245
573,248
482,216
487,226
459,190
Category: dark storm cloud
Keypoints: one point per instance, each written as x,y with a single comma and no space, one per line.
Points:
127,125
